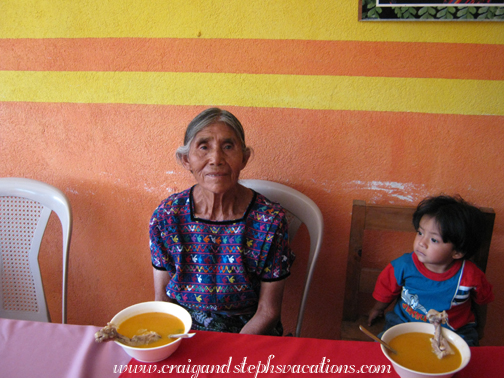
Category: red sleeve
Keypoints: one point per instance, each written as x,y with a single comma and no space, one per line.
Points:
386,288
474,278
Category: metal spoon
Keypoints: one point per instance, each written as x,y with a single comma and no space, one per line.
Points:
377,339
182,335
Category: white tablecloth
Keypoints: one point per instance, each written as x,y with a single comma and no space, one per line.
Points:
36,349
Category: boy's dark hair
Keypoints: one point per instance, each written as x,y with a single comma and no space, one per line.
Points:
460,223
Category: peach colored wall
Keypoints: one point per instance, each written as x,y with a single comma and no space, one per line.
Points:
385,112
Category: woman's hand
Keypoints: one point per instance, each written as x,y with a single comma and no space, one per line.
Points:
268,311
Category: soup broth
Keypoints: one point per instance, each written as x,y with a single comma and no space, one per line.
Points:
414,351
159,322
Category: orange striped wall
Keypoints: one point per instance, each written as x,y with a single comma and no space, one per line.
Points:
385,112
286,57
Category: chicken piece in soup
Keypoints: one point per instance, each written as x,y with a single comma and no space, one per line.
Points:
159,322
414,351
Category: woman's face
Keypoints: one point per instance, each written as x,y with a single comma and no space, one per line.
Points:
216,158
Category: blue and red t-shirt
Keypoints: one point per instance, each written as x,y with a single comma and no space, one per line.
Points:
421,290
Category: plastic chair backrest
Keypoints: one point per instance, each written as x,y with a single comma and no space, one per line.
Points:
25,207
360,281
302,210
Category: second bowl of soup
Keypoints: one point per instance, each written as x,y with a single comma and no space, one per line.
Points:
415,358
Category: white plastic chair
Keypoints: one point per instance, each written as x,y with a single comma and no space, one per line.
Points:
25,207
302,210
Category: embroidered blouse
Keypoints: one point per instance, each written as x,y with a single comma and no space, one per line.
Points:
219,266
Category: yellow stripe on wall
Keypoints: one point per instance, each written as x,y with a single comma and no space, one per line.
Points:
260,19
475,97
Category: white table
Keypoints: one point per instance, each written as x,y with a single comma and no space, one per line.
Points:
36,349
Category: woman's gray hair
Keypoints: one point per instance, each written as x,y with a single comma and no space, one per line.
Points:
206,118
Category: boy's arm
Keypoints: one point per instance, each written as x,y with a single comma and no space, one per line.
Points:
480,297
480,311
386,290
377,311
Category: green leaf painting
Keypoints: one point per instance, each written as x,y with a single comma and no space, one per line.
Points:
371,12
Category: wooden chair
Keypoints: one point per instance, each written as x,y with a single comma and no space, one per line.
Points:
360,280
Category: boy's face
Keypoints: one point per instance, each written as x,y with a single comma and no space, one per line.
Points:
436,255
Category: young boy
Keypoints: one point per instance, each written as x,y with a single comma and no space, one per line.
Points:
437,274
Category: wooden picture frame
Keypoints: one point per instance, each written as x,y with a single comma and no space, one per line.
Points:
431,10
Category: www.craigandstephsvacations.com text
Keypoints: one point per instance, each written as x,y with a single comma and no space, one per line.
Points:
255,369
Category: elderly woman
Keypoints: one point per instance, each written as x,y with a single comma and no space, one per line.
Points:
219,249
